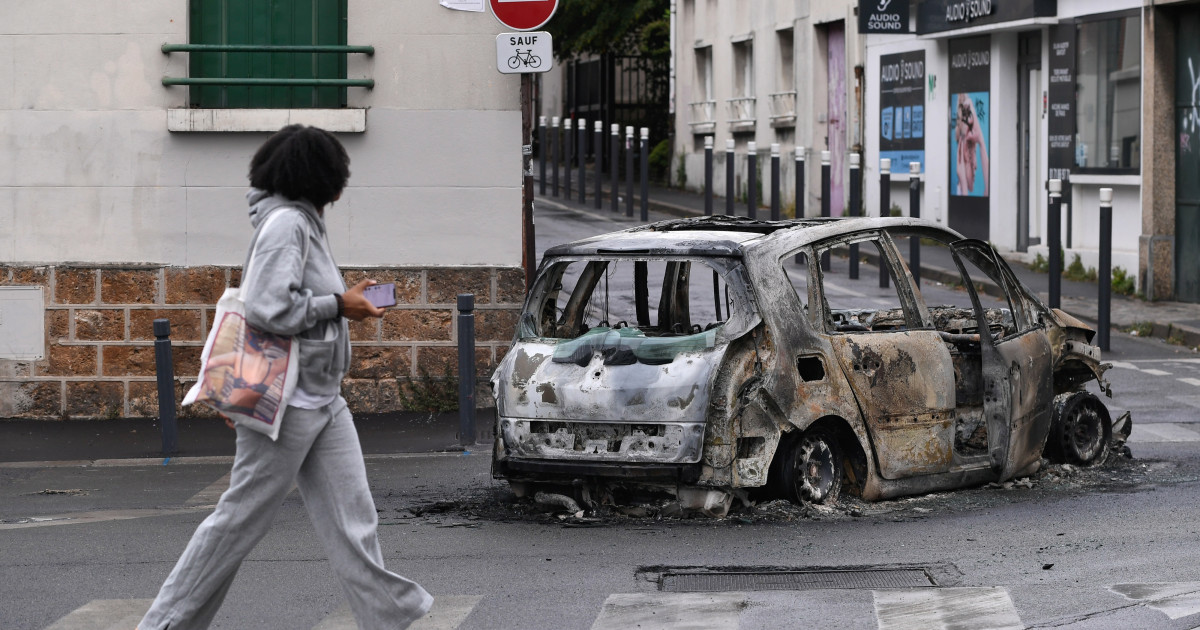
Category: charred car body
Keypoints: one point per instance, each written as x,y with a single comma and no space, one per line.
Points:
711,356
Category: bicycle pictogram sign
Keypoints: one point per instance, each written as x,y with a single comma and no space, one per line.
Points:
527,58
518,53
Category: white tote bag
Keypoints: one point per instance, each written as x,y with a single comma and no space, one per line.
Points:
246,374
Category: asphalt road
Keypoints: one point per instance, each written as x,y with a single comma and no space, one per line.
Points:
86,546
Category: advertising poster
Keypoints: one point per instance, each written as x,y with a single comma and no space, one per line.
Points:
970,118
902,109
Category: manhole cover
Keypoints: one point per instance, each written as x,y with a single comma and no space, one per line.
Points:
707,582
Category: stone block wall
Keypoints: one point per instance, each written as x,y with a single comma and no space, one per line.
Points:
99,360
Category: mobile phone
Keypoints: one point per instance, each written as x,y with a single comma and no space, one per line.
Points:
381,295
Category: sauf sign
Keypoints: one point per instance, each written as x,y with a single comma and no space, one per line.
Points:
883,16
517,53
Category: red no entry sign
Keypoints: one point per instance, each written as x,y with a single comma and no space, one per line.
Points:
523,15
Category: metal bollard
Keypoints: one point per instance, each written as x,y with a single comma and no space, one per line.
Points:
1054,241
798,211
569,143
774,181
542,154
466,369
855,203
708,176
629,171
914,211
885,210
598,140
582,151
729,187
165,371
1104,308
645,173
826,173
554,152
752,179
614,172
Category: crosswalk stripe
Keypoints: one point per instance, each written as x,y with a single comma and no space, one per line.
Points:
211,494
104,614
1174,599
670,611
1191,381
1155,372
1163,432
448,612
945,608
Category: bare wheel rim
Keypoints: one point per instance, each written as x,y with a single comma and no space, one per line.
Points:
1084,431
816,469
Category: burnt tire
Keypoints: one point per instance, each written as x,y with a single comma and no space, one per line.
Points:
813,468
1081,430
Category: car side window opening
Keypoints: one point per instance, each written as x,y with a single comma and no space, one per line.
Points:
861,306
795,268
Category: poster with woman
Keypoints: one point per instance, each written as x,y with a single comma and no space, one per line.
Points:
969,145
970,109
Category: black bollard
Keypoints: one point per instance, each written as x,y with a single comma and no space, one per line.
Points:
598,141
1103,321
554,153
730,193
774,181
826,173
614,172
914,211
885,210
542,154
466,369
569,143
629,171
645,173
1054,241
855,204
165,371
798,211
582,152
708,175
752,180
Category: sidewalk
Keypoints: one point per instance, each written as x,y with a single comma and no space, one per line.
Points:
1176,321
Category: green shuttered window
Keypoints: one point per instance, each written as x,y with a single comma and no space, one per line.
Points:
267,22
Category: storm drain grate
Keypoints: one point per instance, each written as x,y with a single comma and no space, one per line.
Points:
708,582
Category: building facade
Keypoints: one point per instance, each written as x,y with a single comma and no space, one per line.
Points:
121,193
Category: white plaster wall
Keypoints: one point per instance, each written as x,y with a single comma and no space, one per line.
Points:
89,172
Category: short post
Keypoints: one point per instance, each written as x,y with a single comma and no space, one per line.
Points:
826,173
466,369
581,150
855,204
1054,241
729,187
885,210
774,181
614,172
708,176
752,179
554,152
542,154
598,141
798,211
165,370
645,173
914,211
1105,280
569,141
629,171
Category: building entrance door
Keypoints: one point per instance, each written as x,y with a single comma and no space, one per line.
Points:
1029,130
1187,158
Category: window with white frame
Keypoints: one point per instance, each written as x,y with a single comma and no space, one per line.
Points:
1108,94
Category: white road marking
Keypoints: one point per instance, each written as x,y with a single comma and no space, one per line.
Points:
1124,365
211,494
97,516
448,612
1191,381
945,608
1154,372
670,611
1174,599
104,614
1163,432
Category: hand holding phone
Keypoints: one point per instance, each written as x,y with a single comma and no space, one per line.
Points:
381,295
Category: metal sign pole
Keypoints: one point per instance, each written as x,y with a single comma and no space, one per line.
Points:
529,251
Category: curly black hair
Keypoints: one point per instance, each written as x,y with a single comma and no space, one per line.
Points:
301,162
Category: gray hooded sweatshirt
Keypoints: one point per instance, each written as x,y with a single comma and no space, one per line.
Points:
289,289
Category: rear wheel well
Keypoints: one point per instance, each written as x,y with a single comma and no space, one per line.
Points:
854,458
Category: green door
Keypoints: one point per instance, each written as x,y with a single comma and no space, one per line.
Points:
1187,158
268,22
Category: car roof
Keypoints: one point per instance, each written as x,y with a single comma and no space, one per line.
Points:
728,236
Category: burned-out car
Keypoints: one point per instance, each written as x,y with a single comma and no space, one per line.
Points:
712,356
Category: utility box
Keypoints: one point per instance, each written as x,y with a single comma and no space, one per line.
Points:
22,323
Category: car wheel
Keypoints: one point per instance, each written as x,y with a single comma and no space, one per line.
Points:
1082,429
813,468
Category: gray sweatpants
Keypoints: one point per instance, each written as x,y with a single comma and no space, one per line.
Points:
319,449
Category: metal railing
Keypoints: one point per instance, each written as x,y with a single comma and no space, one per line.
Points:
267,82
741,112
704,116
783,108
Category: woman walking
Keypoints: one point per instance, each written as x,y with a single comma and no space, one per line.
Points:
295,288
